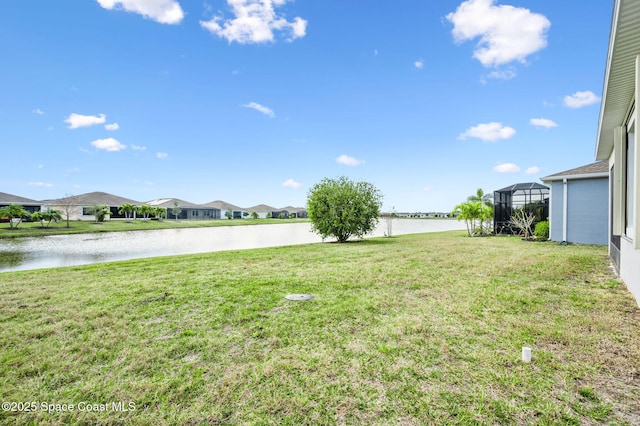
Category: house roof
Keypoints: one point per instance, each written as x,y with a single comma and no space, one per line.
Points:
262,208
94,198
14,199
593,170
292,209
618,90
170,202
222,205
522,187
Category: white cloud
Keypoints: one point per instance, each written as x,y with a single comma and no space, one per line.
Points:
138,148
427,189
419,64
290,183
347,160
76,121
38,111
43,184
162,11
507,74
506,33
533,170
375,52
488,132
112,126
580,99
263,109
109,144
162,155
543,122
506,168
40,166
255,22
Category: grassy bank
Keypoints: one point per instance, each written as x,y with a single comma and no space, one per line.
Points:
35,229
416,329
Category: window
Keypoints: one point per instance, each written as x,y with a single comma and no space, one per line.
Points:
630,186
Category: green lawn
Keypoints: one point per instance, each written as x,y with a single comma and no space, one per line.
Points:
35,229
409,330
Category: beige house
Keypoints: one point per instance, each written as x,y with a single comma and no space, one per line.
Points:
79,207
180,209
224,207
617,141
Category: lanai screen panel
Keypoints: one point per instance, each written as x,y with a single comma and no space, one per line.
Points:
532,197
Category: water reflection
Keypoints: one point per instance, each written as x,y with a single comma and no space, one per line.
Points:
80,249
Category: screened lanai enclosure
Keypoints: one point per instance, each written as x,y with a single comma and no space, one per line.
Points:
532,197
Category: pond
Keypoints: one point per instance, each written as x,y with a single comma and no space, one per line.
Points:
81,249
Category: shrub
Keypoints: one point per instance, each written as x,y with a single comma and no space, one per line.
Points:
541,231
343,208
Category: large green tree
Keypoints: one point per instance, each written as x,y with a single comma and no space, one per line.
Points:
343,208
15,213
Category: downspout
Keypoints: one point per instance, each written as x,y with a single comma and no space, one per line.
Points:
565,206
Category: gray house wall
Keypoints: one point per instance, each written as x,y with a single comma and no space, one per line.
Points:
587,211
555,211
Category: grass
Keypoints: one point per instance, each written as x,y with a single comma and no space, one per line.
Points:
409,330
35,229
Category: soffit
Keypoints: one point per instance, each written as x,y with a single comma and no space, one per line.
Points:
618,91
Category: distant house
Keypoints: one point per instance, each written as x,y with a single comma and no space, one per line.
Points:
263,210
617,141
224,207
80,206
578,211
420,215
296,212
29,205
180,209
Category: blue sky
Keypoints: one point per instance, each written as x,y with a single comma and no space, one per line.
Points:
256,101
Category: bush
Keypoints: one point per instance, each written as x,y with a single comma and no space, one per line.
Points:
541,231
343,208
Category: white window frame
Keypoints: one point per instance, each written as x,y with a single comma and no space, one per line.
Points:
631,163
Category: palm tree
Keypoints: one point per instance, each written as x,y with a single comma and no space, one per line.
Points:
127,210
47,215
486,199
159,212
485,215
145,210
100,212
14,211
469,212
